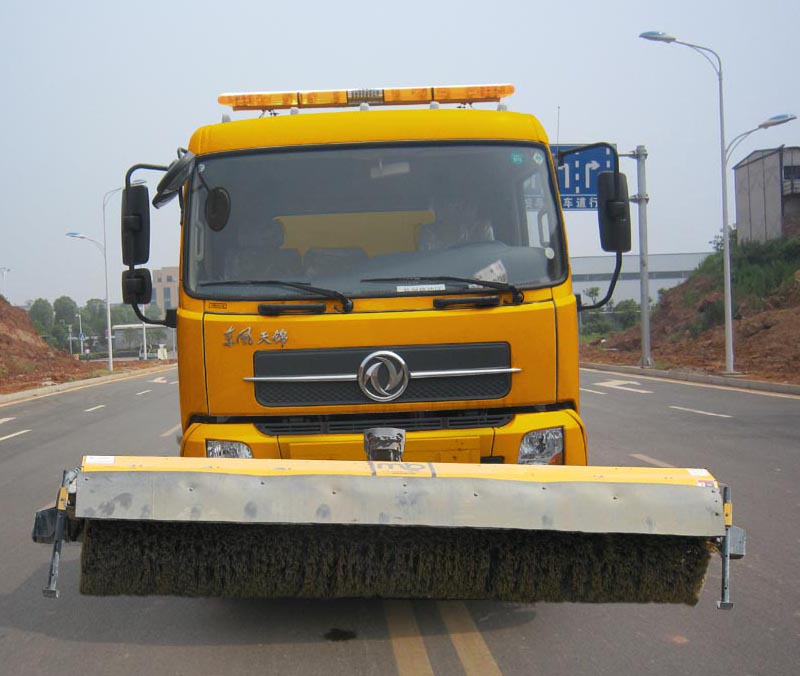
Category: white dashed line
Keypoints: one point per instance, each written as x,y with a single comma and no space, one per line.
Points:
651,461
5,420
172,430
160,379
694,410
586,389
173,382
16,434
143,392
94,408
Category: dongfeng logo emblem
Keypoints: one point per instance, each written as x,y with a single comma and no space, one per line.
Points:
383,376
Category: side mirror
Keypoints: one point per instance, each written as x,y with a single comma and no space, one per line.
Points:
614,212
177,174
137,287
135,225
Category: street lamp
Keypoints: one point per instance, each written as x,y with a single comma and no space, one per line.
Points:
725,150
102,248
773,121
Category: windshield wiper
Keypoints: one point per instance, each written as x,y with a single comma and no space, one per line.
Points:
516,294
347,304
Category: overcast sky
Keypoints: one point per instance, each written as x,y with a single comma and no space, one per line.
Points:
90,88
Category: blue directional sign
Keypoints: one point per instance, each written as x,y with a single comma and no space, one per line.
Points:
577,177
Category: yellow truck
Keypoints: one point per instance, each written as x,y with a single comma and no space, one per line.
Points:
378,368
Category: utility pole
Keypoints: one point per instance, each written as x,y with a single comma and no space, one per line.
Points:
641,199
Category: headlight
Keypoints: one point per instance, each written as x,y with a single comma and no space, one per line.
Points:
542,447
227,449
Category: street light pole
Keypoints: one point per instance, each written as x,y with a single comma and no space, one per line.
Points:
4,272
641,199
80,331
716,64
106,198
102,248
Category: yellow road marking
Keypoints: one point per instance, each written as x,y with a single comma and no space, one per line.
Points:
172,430
408,646
472,650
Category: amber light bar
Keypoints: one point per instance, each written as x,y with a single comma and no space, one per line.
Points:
345,98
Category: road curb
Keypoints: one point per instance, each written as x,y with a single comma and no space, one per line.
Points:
77,384
705,378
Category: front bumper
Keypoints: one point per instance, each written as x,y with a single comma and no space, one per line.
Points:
461,445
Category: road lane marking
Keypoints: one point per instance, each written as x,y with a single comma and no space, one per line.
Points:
468,641
408,646
623,385
104,380
172,430
694,410
143,392
689,383
160,379
16,434
173,382
5,420
586,389
94,408
651,461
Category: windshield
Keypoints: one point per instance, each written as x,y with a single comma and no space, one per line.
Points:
358,220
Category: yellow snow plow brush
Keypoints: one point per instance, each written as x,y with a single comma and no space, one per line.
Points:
338,529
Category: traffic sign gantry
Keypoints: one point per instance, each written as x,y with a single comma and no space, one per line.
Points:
577,176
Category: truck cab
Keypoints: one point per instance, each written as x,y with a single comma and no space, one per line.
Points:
403,268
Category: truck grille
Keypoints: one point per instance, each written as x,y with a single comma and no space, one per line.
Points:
346,361
408,421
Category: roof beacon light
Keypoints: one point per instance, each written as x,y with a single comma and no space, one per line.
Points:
346,98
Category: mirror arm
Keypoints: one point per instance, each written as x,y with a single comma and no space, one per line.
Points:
147,320
611,286
153,167
159,322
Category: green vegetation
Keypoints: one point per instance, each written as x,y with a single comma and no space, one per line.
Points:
57,321
757,270
609,319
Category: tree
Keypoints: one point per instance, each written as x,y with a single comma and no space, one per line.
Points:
152,311
627,313
41,314
123,314
65,310
60,336
593,292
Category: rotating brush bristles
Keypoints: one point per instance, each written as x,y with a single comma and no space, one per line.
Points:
345,561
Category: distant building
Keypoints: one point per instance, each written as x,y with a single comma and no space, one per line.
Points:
165,288
665,271
768,194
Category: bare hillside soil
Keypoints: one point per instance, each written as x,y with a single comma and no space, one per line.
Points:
28,362
766,335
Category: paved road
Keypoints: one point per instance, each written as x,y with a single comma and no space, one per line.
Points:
749,440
